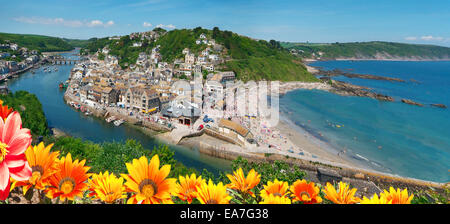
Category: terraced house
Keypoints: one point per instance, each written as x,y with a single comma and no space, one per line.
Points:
141,99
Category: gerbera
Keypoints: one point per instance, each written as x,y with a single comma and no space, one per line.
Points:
344,196
70,181
148,182
14,140
275,199
213,194
397,196
277,188
376,200
305,192
244,184
107,187
43,164
4,110
187,188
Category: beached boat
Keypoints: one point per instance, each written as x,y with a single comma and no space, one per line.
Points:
118,122
109,119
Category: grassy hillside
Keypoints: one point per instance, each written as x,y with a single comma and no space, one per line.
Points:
250,59
260,60
370,50
77,42
30,110
37,42
173,43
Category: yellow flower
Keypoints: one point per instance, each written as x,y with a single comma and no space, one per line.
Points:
275,199
242,183
397,196
375,200
43,164
187,188
305,192
344,196
149,183
276,188
213,194
69,181
107,187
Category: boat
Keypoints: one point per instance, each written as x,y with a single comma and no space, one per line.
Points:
109,119
118,122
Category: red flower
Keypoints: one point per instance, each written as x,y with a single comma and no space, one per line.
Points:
4,110
14,140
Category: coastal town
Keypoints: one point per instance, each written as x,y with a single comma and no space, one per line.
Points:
181,100
15,59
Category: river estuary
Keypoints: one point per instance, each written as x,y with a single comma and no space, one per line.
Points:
61,116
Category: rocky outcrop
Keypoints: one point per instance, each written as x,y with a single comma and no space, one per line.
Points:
346,89
412,102
337,72
439,105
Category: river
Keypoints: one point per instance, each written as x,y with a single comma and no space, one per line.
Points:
61,116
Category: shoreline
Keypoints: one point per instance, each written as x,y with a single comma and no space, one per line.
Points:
312,60
324,157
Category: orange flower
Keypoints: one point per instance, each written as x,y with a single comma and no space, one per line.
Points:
274,199
277,188
213,194
376,200
344,196
187,188
397,196
43,164
305,192
14,140
4,110
243,184
69,182
107,187
149,183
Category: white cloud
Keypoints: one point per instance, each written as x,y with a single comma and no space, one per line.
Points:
431,38
109,23
95,23
62,22
146,24
170,26
49,21
410,38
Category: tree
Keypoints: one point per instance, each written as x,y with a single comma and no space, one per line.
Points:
216,32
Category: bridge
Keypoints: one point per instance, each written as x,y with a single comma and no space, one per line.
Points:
60,60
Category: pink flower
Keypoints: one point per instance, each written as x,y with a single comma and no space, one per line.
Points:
14,140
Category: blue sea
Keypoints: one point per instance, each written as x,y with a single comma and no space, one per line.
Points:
391,137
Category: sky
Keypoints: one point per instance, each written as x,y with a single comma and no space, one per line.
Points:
317,21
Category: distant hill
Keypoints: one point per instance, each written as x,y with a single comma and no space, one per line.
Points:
37,42
77,42
250,59
369,50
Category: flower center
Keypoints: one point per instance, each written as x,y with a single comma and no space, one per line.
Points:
277,194
3,151
148,188
211,201
66,185
190,190
305,196
36,174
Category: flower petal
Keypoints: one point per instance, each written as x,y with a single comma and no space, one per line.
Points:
12,124
4,176
21,175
